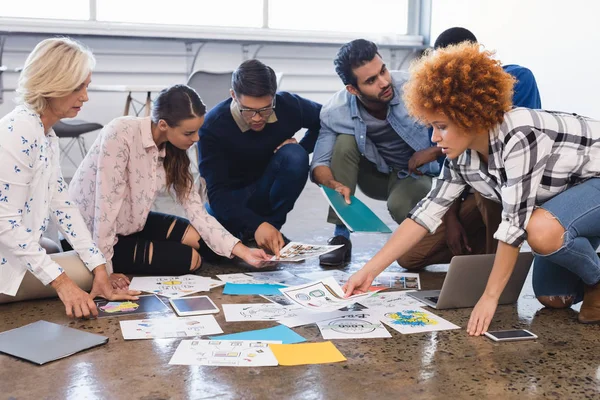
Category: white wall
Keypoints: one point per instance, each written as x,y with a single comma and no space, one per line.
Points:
558,40
307,70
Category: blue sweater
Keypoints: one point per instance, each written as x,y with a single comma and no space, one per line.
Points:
230,159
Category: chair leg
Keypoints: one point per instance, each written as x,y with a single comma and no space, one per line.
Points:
81,141
64,151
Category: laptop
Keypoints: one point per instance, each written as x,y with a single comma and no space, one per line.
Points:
466,280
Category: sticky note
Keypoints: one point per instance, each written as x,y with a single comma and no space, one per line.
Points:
280,332
252,288
306,353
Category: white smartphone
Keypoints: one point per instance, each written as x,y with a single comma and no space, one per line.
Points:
194,305
510,335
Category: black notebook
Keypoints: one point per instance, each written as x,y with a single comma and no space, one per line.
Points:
42,342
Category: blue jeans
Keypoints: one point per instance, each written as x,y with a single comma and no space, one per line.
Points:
565,271
273,195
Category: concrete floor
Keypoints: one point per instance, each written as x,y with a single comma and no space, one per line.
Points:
564,363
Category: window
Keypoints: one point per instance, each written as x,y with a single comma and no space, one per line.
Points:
50,9
240,13
374,16
394,22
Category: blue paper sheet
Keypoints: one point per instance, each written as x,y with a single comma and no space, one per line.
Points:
252,288
281,332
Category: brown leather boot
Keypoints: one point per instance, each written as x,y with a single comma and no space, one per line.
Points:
590,309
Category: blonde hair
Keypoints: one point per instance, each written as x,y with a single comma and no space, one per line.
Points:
55,68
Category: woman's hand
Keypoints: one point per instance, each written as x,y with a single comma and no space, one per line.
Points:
255,257
77,302
119,281
359,282
482,315
103,287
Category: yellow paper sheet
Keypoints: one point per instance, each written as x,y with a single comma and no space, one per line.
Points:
306,353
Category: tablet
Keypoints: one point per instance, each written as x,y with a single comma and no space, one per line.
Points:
194,305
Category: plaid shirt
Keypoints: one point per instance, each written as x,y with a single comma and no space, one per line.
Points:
533,156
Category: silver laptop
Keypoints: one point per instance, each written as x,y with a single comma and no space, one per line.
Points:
466,280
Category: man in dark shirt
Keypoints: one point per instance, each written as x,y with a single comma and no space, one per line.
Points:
253,167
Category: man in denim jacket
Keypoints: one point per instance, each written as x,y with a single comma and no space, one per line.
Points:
367,138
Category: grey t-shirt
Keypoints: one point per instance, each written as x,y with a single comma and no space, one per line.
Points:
392,148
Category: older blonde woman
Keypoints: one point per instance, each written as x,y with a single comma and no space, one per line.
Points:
52,85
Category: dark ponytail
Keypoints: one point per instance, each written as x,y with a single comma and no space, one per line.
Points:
173,105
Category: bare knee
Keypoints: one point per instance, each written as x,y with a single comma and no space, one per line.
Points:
191,237
196,260
544,232
556,301
49,245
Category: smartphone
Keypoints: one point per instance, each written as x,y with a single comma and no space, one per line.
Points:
511,335
194,305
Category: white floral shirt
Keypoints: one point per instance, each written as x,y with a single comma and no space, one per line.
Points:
116,184
31,190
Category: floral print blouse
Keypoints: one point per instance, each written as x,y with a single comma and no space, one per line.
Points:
117,182
32,191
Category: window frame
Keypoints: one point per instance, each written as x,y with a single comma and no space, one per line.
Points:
419,20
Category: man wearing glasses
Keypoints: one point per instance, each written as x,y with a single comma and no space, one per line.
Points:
253,167
368,139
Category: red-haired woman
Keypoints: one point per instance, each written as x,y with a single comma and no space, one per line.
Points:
543,167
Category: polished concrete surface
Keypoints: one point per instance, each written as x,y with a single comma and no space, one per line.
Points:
564,363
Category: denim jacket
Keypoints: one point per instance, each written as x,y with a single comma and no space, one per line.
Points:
340,116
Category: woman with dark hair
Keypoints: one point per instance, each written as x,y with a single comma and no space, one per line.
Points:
542,166
131,161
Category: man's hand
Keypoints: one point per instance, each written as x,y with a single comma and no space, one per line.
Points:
456,236
267,237
343,190
422,157
77,302
103,287
288,141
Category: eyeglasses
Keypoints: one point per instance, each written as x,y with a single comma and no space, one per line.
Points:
263,112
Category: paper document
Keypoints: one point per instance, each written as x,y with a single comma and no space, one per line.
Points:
323,295
158,328
225,353
415,320
294,251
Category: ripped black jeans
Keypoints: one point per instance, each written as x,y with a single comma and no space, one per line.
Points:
155,250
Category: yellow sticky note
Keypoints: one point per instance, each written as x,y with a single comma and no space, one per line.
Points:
306,353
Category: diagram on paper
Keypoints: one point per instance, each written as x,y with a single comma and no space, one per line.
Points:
323,295
231,353
415,320
353,325
172,286
294,251
390,301
398,280
169,327
258,312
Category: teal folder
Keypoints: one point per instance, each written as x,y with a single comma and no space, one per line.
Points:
356,216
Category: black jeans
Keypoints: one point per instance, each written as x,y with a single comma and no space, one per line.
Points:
169,255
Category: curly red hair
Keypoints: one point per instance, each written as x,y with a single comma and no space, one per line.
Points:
462,82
